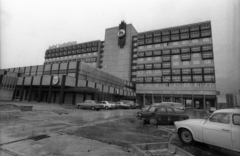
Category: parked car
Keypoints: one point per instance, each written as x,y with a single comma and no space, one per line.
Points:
107,105
132,104
90,104
176,106
160,114
122,105
221,129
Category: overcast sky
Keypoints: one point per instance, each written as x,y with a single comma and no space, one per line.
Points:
28,27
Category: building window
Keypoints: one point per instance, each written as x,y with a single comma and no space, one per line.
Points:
133,73
207,61
140,72
184,42
207,55
166,64
166,52
164,85
196,49
176,71
175,57
175,63
135,44
148,53
140,59
185,63
157,45
176,85
176,79
140,47
148,79
208,70
134,49
149,58
209,78
186,78
135,55
157,79
165,44
135,38
206,39
166,72
185,50
157,71
166,78
186,85
149,46
140,66
175,51
157,52
149,71
133,79
196,62
197,78
197,85
157,58
140,54
166,58
209,85
157,65
196,55
139,79
148,85
206,47
148,66
175,43
197,71
185,57
156,85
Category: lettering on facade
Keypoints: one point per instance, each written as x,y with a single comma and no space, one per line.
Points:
122,34
63,45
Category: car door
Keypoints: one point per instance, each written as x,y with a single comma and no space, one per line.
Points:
161,115
236,132
172,115
217,131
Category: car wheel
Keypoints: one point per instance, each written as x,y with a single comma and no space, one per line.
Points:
92,108
186,136
79,107
153,121
106,107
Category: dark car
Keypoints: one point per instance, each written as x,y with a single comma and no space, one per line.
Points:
161,114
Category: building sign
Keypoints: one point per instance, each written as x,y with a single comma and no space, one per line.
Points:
122,34
55,80
62,45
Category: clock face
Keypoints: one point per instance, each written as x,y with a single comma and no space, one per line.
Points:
121,33
55,80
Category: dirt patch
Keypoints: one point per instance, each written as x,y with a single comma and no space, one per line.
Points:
8,107
122,132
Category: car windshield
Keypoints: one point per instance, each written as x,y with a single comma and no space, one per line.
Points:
151,109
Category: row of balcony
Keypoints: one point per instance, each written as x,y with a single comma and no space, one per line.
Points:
184,71
175,51
176,79
175,31
176,37
73,52
74,47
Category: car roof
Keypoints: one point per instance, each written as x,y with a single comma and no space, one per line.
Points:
162,106
167,103
228,110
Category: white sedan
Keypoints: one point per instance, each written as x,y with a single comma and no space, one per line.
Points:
221,129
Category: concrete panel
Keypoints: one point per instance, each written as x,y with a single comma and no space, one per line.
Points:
89,97
70,81
82,83
36,80
111,90
91,84
6,94
105,89
27,80
20,81
46,80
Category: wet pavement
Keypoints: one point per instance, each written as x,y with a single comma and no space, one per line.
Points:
73,131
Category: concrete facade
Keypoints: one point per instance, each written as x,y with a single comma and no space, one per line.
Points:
117,60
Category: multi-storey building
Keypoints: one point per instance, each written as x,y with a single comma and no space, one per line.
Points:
175,64
179,64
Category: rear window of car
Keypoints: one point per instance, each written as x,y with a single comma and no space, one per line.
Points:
236,119
152,109
161,110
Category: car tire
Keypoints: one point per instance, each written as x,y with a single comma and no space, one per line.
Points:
106,107
186,136
92,108
153,121
79,107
